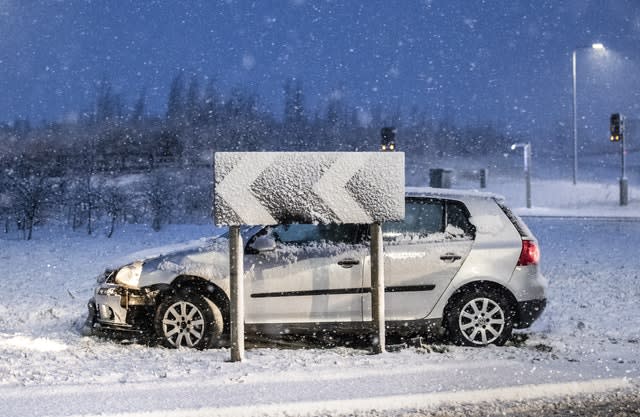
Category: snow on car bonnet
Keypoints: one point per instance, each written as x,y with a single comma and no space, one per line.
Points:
202,244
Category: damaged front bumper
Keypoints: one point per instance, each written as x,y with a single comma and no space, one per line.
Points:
114,307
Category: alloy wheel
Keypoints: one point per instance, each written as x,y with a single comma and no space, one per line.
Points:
183,324
481,321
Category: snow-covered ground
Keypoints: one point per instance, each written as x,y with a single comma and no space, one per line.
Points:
562,198
587,341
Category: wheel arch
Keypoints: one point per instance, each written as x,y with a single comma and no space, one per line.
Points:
207,288
477,286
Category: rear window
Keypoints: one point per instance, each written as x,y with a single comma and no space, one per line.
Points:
517,222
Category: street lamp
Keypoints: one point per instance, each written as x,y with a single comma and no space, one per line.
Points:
526,147
596,47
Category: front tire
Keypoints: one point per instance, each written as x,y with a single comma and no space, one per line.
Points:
188,319
480,318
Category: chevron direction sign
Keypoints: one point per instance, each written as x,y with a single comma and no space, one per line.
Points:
266,188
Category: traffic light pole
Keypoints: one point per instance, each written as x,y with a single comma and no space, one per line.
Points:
616,127
624,182
575,122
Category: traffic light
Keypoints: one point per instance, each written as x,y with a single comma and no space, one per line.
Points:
616,128
388,139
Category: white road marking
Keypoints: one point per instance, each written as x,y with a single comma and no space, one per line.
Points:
398,402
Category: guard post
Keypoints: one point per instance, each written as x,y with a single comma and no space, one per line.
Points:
271,188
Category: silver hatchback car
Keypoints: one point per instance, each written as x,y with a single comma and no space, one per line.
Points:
461,263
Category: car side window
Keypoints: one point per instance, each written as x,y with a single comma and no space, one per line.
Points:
457,219
423,217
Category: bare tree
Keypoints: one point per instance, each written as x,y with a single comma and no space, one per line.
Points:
176,101
193,106
6,205
87,190
159,199
139,108
114,202
29,193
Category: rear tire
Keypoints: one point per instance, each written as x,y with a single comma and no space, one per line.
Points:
479,318
188,319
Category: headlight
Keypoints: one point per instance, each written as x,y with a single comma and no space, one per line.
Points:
106,276
129,275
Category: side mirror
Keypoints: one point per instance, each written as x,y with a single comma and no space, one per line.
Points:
263,244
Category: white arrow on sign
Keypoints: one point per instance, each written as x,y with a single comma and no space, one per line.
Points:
235,188
267,188
331,188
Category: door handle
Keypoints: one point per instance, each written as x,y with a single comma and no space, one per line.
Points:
348,263
450,257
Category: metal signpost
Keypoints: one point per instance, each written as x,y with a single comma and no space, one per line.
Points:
269,188
236,289
377,288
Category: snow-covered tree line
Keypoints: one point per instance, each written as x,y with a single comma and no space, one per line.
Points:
122,164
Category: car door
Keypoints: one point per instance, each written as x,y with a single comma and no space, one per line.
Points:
421,256
313,273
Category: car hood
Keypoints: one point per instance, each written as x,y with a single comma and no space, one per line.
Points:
174,250
218,243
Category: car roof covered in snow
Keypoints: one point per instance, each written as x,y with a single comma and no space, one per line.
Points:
449,193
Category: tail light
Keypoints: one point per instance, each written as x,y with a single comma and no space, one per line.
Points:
530,254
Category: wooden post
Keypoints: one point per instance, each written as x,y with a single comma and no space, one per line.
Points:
377,288
237,293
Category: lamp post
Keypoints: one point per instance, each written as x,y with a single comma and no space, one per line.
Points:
597,47
526,147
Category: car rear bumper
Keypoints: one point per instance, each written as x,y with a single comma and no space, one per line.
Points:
528,312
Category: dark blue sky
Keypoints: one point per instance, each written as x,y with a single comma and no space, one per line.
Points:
506,61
